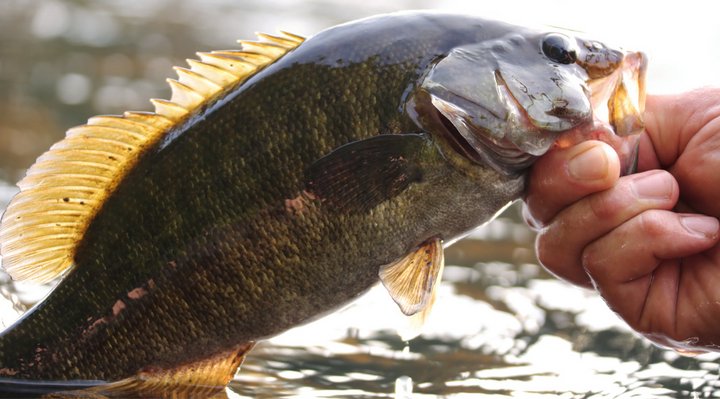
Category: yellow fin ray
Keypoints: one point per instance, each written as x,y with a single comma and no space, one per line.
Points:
197,82
412,279
184,96
94,131
214,74
151,119
39,242
86,162
121,122
272,49
227,62
63,191
63,232
43,271
249,57
72,147
291,36
44,250
413,282
84,153
169,109
285,41
414,324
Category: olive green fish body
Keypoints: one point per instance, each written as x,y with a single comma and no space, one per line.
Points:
347,160
213,239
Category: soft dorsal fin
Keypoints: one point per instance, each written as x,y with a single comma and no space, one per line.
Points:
66,186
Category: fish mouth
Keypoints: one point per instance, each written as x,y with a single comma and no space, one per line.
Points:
618,103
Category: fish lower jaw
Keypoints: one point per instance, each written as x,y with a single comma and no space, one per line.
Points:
503,155
475,133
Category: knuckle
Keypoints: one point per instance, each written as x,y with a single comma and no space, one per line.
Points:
651,224
612,204
598,262
590,259
602,206
553,250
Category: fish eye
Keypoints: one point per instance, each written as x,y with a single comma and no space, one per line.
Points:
559,48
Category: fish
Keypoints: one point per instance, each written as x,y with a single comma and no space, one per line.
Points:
281,181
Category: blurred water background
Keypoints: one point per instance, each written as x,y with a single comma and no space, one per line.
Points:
501,328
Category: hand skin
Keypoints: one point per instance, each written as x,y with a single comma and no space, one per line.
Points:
648,242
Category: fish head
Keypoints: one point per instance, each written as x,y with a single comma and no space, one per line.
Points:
506,101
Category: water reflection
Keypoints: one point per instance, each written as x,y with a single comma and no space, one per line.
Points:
501,327
498,329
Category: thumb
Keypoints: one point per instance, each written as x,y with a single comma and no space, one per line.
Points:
565,175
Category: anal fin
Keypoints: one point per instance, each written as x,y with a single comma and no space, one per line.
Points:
201,379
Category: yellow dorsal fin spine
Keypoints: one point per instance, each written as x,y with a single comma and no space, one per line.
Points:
287,42
218,76
168,109
184,95
151,119
271,49
62,192
197,82
293,37
227,62
246,57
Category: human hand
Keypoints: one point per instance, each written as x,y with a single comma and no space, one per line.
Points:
648,242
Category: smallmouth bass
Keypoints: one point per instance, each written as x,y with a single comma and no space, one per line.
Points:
283,180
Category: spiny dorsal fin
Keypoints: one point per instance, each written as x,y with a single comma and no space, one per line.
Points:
64,189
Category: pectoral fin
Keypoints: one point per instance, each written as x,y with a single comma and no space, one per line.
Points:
204,378
360,175
412,283
412,280
414,324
